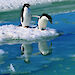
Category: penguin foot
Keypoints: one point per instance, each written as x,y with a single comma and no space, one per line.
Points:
26,27
42,29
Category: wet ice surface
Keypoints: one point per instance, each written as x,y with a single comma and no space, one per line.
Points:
15,32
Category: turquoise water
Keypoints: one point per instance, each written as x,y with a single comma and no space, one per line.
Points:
60,58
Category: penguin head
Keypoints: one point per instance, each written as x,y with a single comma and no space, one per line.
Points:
47,17
26,5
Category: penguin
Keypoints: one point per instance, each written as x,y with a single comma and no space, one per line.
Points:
43,20
25,16
44,48
26,50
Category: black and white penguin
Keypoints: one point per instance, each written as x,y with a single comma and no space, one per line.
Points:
43,20
44,48
25,16
26,50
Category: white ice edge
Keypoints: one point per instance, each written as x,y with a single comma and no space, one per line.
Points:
29,34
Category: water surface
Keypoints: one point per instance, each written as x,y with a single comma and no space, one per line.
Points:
53,56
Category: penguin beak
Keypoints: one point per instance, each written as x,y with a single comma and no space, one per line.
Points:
50,21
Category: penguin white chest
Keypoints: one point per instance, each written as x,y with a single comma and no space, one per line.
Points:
27,19
42,23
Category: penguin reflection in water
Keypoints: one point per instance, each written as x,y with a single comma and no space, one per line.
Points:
44,48
26,50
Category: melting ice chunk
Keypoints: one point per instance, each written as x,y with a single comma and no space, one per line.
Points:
12,68
1,52
29,34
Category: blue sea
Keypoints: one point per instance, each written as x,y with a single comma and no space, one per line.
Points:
47,56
